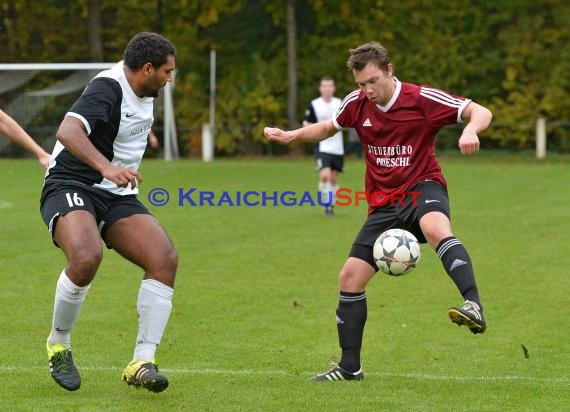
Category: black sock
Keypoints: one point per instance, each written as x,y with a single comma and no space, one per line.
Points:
350,320
458,266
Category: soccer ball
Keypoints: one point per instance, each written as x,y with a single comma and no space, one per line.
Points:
396,252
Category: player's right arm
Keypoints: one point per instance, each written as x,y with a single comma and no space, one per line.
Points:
312,133
73,135
96,107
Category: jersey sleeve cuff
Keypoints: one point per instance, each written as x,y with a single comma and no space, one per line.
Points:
336,125
461,108
83,120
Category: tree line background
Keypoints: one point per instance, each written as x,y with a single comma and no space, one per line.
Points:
510,55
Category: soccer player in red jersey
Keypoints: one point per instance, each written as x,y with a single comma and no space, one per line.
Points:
397,124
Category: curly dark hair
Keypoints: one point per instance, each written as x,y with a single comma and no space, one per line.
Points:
145,48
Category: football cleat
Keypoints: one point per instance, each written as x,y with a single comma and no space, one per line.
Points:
339,374
329,210
469,315
145,373
62,368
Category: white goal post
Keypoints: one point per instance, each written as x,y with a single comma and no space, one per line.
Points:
170,135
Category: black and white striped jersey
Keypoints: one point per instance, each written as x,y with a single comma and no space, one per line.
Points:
117,122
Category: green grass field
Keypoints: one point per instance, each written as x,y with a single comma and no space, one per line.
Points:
256,292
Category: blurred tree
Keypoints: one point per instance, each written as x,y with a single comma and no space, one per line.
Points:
292,64
535,80
513,56
94,29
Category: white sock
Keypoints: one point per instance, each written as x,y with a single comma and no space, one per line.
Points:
69,299
325,189
154,306
334,188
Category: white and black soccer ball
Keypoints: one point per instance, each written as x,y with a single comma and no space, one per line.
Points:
396,252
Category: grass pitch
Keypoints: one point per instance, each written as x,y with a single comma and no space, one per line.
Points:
256,294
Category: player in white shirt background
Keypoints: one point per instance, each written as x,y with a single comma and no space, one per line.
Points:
330,152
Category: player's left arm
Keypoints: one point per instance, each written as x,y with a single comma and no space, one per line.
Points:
14,131
479,118
152,140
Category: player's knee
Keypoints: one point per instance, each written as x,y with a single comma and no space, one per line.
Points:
84,263
165,266
348,279
435,236
355,275
164,269
435,226
325,174
171,261
344,275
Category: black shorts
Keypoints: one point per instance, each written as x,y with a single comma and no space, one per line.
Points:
333,161
432,197
61,197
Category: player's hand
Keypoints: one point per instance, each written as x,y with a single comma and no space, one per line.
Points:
468,142
277,135
153,141
44,159
122,177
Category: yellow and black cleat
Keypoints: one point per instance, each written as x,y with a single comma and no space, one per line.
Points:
62,368
144,373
